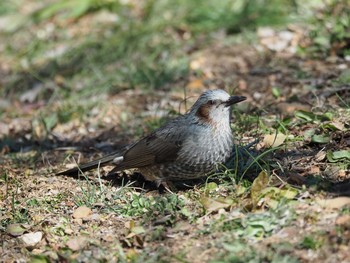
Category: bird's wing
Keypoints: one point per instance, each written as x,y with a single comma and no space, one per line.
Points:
160,146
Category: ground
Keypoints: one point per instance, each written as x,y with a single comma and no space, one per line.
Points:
77,85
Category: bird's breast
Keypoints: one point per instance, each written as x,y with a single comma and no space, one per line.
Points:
207,145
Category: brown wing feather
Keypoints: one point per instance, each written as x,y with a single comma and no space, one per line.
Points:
159,147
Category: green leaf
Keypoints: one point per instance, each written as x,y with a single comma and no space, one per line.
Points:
262,223
270,191
305,115
320,138
211,186
235,247
240,190
39,259
327,116
10,23
341,154
309,133
138,230
80,8
289,193
73,8
51,10
276,92
323,41
50,121
338,156
185,212
273,195
15,229
332,126
272,203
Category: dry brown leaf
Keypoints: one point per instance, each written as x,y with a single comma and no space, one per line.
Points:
274,140
258,185
335,203
82,212
320,156
343,220
76,243
314,170
338,125
341,173
212,205
195,84
290,108
31,239
197,63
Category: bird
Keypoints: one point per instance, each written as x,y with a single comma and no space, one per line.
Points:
190,146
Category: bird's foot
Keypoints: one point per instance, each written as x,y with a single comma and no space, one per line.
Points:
167,185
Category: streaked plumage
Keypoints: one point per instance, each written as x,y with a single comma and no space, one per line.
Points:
190,146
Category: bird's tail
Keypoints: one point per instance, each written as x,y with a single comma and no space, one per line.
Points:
106,160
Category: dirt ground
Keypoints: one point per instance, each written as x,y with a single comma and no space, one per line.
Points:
286,201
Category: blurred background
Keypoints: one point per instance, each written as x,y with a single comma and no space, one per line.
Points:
71,67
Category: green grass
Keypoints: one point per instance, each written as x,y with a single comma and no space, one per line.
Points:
145,51
233,215
238,252
329,30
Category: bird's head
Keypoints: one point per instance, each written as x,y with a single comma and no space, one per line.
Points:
213,106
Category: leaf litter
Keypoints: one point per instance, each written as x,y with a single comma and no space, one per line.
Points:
60,218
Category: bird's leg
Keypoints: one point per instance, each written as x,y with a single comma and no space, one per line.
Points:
168,186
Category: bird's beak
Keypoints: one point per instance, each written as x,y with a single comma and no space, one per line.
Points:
234,100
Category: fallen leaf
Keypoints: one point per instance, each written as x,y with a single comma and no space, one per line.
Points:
333,126
291,107
68,231
320,138
15,229
320,156
76,243
304,115
197,63
259,184
314,170
138,230
289,193
276,92
82,212
341,173
338,155
212,205
130,224
31,239
195,84
132,254
274,140
39,259
59,80
11,22
308,134
211,186
343,220
335,203
32,94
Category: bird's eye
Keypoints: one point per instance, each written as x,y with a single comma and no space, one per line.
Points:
211,102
